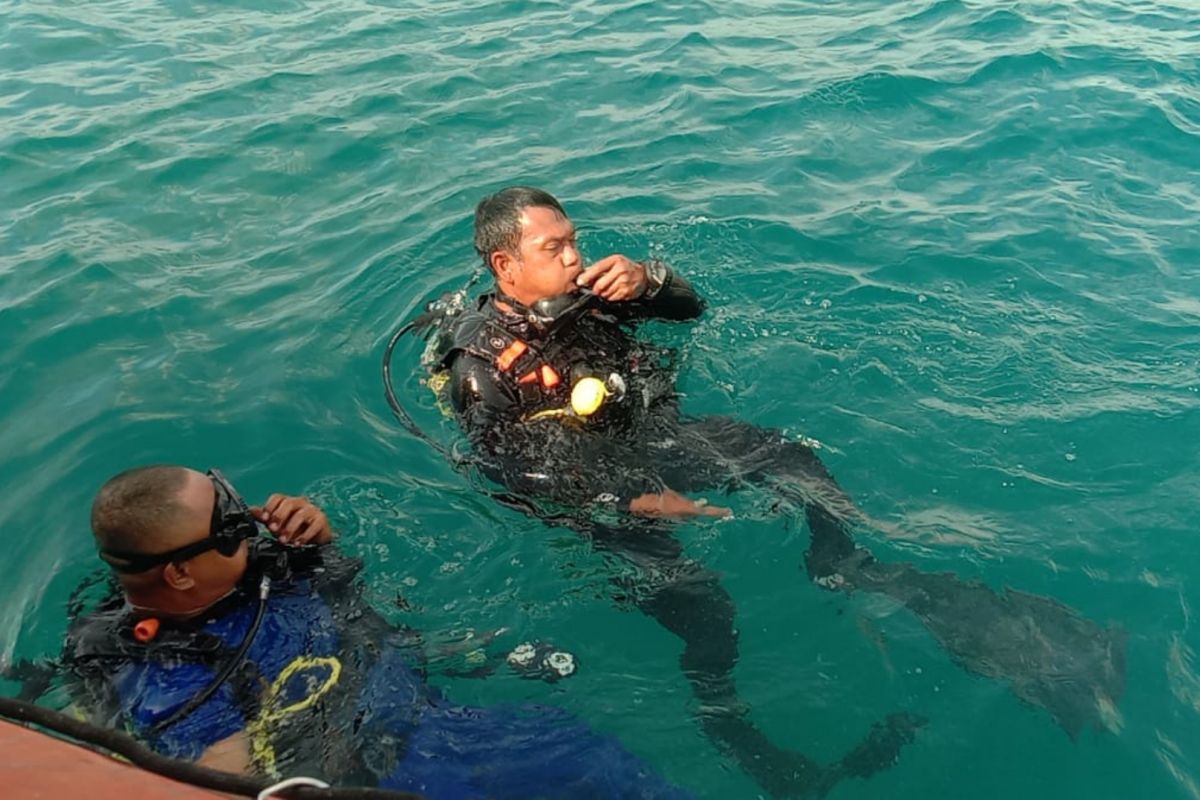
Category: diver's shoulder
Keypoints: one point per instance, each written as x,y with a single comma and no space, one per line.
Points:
475,333
468,324
97,635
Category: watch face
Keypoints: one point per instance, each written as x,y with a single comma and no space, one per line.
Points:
656,272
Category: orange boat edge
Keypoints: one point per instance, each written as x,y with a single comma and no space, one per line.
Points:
34,765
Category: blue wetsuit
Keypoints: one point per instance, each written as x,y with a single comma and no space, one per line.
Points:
404,731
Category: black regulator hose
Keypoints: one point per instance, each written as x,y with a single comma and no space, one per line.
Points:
406,421
264,590
421,321
402,415
122,745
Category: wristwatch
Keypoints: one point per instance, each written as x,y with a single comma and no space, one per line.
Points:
657,276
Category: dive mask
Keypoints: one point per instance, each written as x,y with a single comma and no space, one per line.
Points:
230,525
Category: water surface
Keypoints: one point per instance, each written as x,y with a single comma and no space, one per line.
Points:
956,242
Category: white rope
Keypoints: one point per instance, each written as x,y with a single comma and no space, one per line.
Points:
269,792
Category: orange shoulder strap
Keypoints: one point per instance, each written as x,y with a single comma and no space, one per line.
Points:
511,353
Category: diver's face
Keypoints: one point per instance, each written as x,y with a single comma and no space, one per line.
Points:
547,259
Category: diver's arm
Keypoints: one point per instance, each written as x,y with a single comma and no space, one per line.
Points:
673,299
477,390
231,754
670,504
634,290
488,414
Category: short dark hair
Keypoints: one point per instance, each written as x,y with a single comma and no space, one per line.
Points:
133,509
498,218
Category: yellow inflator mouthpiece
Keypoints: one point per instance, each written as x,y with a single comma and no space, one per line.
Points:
587,396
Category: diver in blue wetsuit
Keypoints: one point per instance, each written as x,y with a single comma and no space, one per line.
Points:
254,654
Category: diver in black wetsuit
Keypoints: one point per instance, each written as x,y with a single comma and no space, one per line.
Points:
564,404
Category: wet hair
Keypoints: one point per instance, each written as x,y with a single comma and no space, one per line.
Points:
498,218
133,510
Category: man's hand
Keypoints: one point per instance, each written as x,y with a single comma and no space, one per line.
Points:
294,520
675,506
228,755
615,278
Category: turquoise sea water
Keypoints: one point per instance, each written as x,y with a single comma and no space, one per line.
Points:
956,242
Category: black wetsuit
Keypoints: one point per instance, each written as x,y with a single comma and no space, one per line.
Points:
637,443
1048,654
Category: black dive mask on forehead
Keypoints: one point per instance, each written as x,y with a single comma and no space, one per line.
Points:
231,524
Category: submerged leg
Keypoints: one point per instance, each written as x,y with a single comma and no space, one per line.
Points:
1048,654
688,600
